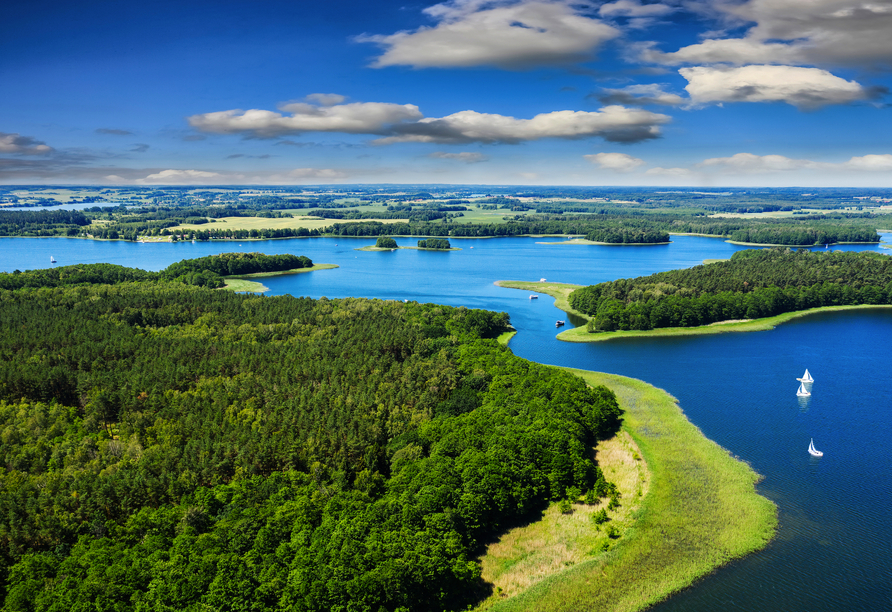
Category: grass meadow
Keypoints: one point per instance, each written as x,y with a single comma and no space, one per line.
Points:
697,510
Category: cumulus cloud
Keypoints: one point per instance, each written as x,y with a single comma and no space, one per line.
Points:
505,33
806,88
749,163
326,99
327,174
639,95
113,132
620,162
659,171
353,118
405,123
22,145
816,32
612,123
182,177
465,156
870,163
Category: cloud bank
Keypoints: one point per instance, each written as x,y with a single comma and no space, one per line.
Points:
405,123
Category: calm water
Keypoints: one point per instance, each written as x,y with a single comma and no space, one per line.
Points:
833,548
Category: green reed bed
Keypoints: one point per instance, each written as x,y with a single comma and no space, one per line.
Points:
701,511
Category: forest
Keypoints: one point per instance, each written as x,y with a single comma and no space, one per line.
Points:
437,244
172,447
203,271
752,284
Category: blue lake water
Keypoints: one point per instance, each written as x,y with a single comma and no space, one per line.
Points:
833,550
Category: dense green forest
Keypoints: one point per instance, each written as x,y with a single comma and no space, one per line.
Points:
751,285
627,236
204,271
439,244
170,447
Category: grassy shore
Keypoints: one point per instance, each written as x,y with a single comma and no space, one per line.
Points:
579,334
559,291
697,510
242,284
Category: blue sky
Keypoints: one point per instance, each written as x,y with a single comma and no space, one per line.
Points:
548,92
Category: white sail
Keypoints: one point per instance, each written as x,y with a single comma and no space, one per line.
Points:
812,450
806,377
803,392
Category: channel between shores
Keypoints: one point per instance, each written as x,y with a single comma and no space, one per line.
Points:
700,510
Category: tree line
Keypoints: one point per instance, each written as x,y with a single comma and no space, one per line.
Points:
752,284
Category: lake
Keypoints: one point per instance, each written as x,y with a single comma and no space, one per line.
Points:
832,550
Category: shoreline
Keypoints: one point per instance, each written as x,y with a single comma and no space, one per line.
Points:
561,293
239,283
700,512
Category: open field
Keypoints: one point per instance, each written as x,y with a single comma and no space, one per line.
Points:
249,223
526,555
699,510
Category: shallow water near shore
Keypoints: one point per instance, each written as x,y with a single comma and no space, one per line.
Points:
832,550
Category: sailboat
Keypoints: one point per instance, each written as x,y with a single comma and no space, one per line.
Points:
803,392
52,259
812,450
806,378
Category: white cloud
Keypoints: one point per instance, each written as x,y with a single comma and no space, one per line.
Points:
640,95
631,8
22,145
870,163
326,99
465,156
353,118
619,162
816,32
327,174
509,34
659,171
183,177
802,87
749,163
612,123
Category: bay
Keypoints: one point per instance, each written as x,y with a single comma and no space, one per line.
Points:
832,551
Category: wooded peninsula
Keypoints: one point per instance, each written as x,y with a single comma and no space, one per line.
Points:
753,284
167,446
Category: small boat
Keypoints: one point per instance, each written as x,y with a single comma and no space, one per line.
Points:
806,377
534,297
812,450
803,392
559,323
542,280
52,259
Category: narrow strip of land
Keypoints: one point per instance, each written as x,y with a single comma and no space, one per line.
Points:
561,292
698,512
241,283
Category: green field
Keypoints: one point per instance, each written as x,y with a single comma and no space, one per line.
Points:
698,511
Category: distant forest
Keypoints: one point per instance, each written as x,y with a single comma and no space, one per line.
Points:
751,285
171,447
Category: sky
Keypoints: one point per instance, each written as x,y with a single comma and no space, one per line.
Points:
705,93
